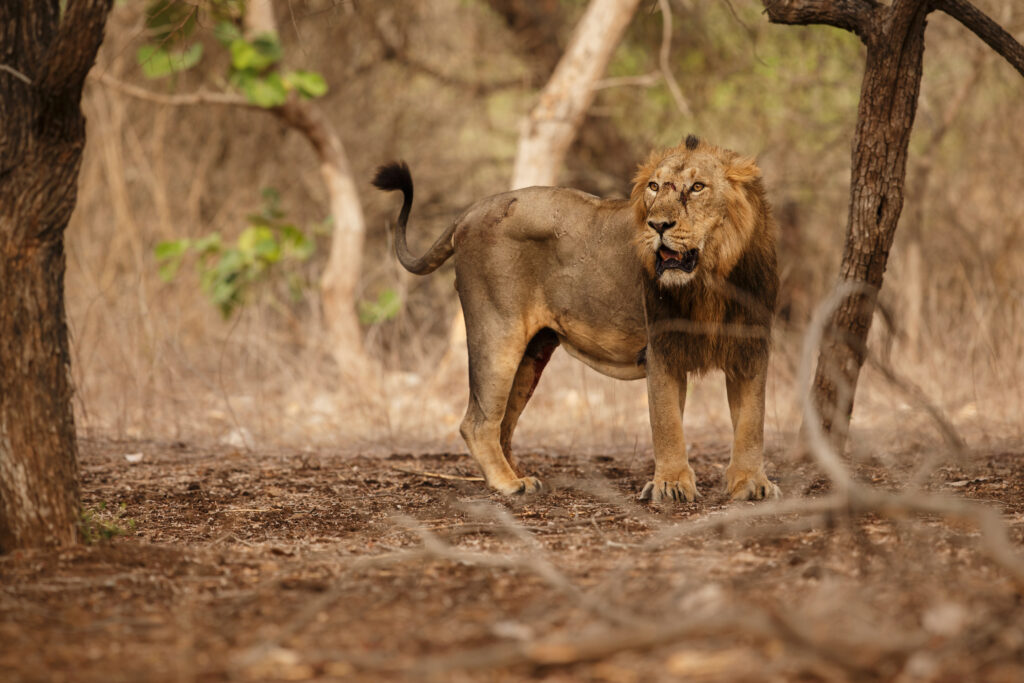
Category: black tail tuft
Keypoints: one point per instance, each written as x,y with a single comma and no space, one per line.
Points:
691,142
394,176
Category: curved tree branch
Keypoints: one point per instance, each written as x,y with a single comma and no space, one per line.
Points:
663,60
399,53
985,28
852,15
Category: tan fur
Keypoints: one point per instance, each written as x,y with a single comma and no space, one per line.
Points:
540,267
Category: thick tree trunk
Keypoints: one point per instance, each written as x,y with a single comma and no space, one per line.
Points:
44,57
885,117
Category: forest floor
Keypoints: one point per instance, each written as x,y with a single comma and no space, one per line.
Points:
238,565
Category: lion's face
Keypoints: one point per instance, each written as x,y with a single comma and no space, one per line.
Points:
693,216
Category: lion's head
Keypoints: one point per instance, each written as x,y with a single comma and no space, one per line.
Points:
696,208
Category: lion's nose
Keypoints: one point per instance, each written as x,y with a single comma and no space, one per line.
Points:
661,227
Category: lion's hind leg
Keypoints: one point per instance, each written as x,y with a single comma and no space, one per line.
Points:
538,353
494,362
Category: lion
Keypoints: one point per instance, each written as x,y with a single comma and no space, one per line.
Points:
679,279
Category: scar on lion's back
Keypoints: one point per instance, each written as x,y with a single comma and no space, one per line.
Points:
500,209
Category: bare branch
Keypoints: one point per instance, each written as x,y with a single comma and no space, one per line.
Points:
436,475
17,74
852,15
663,56
985,28
644,81
565,652
819,443
664,71
183,100
392,50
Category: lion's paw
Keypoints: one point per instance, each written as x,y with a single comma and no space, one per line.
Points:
680,491
750,486
524,486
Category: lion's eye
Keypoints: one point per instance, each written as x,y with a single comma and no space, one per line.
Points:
696,187
652,186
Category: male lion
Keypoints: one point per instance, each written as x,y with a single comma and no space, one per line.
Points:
680,278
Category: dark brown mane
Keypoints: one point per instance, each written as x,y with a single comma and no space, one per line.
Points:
719,323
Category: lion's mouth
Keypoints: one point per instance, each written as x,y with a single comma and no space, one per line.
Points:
673,260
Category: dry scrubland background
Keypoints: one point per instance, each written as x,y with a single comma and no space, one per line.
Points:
156,359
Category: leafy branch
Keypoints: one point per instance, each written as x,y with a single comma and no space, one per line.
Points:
255,66
229,271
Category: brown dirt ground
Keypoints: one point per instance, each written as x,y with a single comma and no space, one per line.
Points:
295,566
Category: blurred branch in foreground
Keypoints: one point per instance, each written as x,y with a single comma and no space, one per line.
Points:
854,652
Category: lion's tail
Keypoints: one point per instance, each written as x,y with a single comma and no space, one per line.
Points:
396,176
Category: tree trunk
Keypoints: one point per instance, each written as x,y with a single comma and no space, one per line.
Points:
44,58
885,117
339,282
552,125
894,35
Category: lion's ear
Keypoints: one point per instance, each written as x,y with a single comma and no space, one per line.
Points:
742,170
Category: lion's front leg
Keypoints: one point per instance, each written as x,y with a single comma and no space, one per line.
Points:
745,478
666,396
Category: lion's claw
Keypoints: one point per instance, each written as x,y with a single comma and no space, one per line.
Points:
678,491
755,486
524,486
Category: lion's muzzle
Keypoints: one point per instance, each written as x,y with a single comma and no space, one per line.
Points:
673,260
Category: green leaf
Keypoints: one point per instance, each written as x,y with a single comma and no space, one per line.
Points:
243,54
258,243
298,246
324,227
168,270
266,92
170,249
156,62
226,32
386,307
170,20
308,83
170,253
268,45
255,55
207,244
223,283
271,204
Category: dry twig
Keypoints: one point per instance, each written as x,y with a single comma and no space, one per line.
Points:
664,72
436,475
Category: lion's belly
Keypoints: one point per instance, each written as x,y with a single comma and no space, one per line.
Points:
612,350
